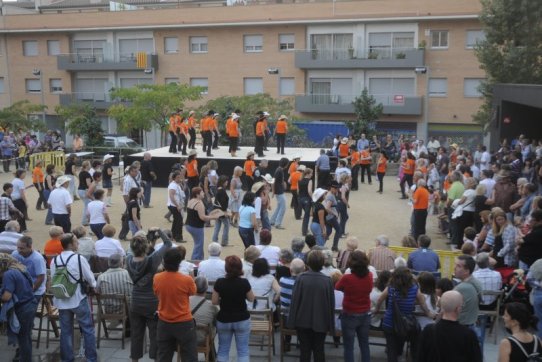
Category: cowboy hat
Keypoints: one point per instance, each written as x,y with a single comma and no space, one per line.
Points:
250,153
266,114
301,168
282,116
344,140
269,179
107,157
296,157
317,194
62,180
192,153
235,116
257,186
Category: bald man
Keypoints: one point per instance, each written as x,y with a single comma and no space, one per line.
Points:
447,340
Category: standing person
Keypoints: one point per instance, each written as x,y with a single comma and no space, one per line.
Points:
34,263
7,146
355,164
420,203
207,132
381,170
319,214
192,173
504,244
293,180
84,183
19,197
37,179
522,343
281,129
259,131
97,214
142,266
60,203
182,132
442,164
305,198
248,169
176,326
78,143
222,201
172,134
232,128
134,211
214,130
447,340
70,171
365,162
323,169
312,308
77,305
356,308
107,174
247,220
175,205
147,177
278,192
192,130
235,194
48,187
342,202
467,201
195,220
409,166
267,132
233,319
17,289
332,217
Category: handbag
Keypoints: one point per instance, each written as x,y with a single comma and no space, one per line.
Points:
458,211
404,326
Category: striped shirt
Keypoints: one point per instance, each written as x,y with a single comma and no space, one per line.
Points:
490,280
406,305
115,281
382,258
286,288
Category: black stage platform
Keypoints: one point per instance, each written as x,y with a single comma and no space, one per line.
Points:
163,161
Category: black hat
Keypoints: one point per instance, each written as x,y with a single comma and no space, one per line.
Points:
335,184
211,113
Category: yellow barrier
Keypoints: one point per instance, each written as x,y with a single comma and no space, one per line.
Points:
57,158
447,258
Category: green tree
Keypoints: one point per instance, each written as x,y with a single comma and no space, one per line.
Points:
145,106
22,115
511,51
81,118
367,113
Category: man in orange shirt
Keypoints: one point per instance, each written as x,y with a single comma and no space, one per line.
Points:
173,143
344,149
409,166
207,133
365,162
420,201
355,164
294,181
176,325
214,130
37,179
192,130
181,129
260,135
281,129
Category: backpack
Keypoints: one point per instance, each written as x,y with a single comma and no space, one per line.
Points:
534,356
61,285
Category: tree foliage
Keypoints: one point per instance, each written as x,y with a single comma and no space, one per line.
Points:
512,51
22,115
81,118
145,106
367,113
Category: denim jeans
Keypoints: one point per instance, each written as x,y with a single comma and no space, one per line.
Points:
86,201
343,213
49,217
147,193
265,220
306,206
198,235
226,331
334,224
316,230
480,329
25,313
71,186
133,227
352,325
247,235
537,305
278,215
86,324
222,221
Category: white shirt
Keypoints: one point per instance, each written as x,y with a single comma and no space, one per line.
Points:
106,247
186,267
179,194
433,146
490,280
340,170
73,268
8,241
489,183
96,210
475,171
258,207
212,268
484,161
128,183
468,205
18,188
59,199
271,253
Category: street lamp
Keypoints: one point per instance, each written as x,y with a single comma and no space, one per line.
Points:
425,123
37,73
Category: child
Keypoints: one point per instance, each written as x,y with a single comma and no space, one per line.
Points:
469,235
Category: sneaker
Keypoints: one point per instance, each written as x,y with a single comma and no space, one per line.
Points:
280,227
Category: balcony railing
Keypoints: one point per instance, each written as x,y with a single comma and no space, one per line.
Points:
107,61
96,99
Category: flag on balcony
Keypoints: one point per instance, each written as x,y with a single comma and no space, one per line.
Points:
141,60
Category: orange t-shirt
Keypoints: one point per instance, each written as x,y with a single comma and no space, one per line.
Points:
173,290
365,153
409,166
343,150
233,130
191,122
205,124
382,164
250,166
294,180
260,128
52,247
281,127
354,158
184,128
192,168
213,124
228,126
421,198
37,175
293,167
172,124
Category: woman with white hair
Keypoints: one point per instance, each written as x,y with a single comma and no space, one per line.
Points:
235,194
467,204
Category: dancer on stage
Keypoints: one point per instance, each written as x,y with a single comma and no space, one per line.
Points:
259,130
182,134
207,133
281,129
232,129
192,130
173,137
214,130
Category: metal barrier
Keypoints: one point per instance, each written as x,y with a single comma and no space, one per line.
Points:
57,158
447,258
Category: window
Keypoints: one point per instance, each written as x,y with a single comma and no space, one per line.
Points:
471,86
438,87
198,44
2,90
131,82
33,85
390,45
253,86
286,41
30,48
89,51
439,39
53,47
332,46
384,89
200,82
253,43
171,45
474,37
172,80
287,86
55,85
128,48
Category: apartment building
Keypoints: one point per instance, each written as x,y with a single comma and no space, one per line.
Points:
415,57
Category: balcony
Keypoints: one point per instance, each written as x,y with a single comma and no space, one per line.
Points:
115,61
342,104
373,58
100,101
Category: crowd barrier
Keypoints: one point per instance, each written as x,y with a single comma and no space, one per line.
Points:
447,258
57,158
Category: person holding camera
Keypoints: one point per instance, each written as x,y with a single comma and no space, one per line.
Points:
142,264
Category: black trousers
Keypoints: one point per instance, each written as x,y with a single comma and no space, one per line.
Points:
311,343
169,335
366,168
323,178
192,142
258,149
296,205
420,217
62,220
234,141
183,142
215,139
380,176
266,136
281,141
21,206
177,224
207,142
355,173
173,143
408,179
41,199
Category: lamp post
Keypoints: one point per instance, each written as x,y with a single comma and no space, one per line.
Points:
425,123
37,72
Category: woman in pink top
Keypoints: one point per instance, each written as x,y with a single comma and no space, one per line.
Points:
356,317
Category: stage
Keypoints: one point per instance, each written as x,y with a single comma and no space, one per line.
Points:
163,161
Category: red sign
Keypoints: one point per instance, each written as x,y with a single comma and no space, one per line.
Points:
399,99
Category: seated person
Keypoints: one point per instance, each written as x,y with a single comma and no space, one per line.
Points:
424,259
53,246
490,280
108,246
10,236
115,280
213,267
86,244
203,311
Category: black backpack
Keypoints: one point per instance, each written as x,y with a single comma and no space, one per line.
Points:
535,355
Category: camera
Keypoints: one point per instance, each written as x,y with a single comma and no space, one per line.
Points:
153,235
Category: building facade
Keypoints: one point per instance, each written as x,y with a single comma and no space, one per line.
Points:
414,57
